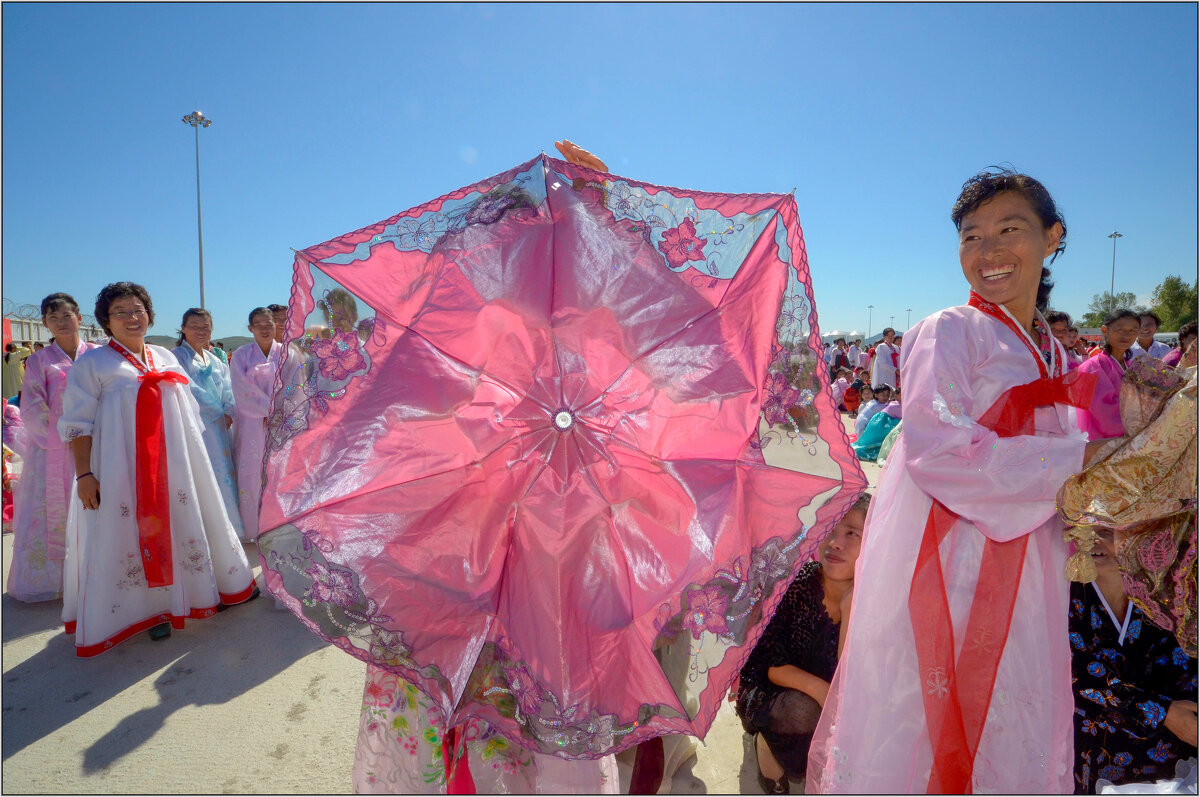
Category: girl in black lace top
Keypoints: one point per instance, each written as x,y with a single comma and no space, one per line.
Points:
784,682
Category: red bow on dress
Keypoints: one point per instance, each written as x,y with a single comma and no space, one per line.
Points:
153,488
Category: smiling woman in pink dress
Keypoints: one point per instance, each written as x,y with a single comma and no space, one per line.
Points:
1102,417
47,478
252,369
956,672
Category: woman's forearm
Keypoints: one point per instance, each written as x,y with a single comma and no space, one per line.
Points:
81,449
792,677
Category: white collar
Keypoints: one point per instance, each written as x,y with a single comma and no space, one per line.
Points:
1122,627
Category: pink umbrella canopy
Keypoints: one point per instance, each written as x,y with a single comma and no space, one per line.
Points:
552,446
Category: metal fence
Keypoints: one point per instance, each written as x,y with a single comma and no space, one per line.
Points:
26,323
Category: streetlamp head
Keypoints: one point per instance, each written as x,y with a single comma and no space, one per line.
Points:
197,119
1114,235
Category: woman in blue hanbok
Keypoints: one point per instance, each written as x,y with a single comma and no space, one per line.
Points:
213,390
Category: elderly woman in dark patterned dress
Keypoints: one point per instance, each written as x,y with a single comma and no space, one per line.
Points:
784,682
1135,688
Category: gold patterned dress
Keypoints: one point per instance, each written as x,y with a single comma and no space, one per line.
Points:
1144,488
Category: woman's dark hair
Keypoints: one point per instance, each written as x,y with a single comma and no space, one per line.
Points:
120,290
1115,316
1054,316
1187,329
1150,314
257,311
57,301
188,314
988,184
862,504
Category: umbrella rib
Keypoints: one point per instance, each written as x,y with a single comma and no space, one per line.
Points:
646,352
517,394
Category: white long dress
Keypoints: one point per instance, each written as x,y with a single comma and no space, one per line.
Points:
872,736
883,368
213,391
253,377
106,598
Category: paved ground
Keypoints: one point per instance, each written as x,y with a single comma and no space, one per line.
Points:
248,701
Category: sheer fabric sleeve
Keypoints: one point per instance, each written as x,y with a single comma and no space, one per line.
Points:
221,375
81,400
35,403
252,399
1005,486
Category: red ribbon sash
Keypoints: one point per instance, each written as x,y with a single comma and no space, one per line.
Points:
956,696
153,488
456,763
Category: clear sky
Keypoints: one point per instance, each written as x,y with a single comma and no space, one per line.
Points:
327,118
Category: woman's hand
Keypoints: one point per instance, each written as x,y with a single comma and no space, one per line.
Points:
1181,720
573,153
88,488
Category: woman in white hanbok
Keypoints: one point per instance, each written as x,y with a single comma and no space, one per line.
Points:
46,486
213,390
148,541
252,369
956,672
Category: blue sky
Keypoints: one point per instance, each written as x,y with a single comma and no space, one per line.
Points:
331,117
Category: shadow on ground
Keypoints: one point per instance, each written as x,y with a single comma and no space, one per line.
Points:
209,662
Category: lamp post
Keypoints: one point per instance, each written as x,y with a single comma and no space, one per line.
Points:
892,322
908,325
870,309
198,120
1112,296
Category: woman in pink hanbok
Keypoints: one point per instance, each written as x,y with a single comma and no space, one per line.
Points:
44,490
956,673
149,544
252,369
1102,417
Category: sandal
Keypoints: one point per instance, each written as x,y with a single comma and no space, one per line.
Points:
160,631
780,786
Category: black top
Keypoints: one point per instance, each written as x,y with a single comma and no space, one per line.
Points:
1122,691
801,633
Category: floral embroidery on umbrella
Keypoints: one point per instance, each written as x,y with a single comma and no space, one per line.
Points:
330,585
706,611
681,245
781,397
338,357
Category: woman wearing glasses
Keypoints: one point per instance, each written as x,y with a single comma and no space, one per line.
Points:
148,541
252,368
47,477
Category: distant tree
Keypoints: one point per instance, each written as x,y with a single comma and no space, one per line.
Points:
1174,301
1104,303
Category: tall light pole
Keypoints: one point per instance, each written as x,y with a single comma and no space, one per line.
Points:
870,310
892,322
1112,296
908,325
198,120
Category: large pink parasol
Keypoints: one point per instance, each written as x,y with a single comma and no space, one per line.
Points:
552,446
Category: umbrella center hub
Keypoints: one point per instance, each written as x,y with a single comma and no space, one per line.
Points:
564,420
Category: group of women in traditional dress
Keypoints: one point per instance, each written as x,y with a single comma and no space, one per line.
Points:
130,507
